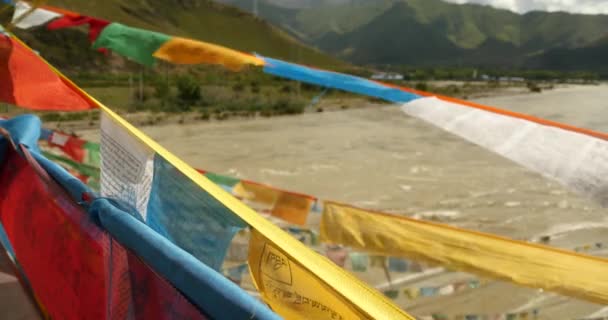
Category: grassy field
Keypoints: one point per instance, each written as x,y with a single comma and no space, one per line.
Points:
154,104
203,93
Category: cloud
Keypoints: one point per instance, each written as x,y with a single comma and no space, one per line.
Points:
575,6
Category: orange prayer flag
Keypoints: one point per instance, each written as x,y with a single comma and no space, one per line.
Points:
292,208
255,192
186,51
27,81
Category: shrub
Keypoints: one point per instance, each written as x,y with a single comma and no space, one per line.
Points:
204,116
310,87
188,91
238,87
162,91
422,86
222,116
533,87
255,89
51,117
288,106
140,96
286,89
266,113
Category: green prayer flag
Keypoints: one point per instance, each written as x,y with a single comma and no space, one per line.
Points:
223,180
93,157
136,44
83,169
314,238
359,261
94,184
474,284
393,294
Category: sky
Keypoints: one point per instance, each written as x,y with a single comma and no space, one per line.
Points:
575,6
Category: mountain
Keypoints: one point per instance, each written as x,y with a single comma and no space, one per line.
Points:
311,19
590,57
301,4
433,32
198,19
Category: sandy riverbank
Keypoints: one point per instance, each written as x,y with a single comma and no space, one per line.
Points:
468,90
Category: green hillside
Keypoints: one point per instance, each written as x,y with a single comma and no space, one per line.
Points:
591,57
312,23
199,19
433,32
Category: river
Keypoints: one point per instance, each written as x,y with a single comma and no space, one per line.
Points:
381,159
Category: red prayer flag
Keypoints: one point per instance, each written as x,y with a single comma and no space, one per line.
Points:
76,269
63,260
27,81
71,146
95,25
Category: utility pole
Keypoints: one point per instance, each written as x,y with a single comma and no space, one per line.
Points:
131,91
255,8
299,58
141,85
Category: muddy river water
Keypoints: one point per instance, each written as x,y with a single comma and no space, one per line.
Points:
379,158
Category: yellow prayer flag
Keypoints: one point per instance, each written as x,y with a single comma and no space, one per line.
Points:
187,51
523,263
292,208
256,193
291,290
411,293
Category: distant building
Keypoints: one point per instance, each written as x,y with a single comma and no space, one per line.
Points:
511,79
387,76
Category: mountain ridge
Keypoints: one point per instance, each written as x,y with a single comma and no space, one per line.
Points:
469,34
